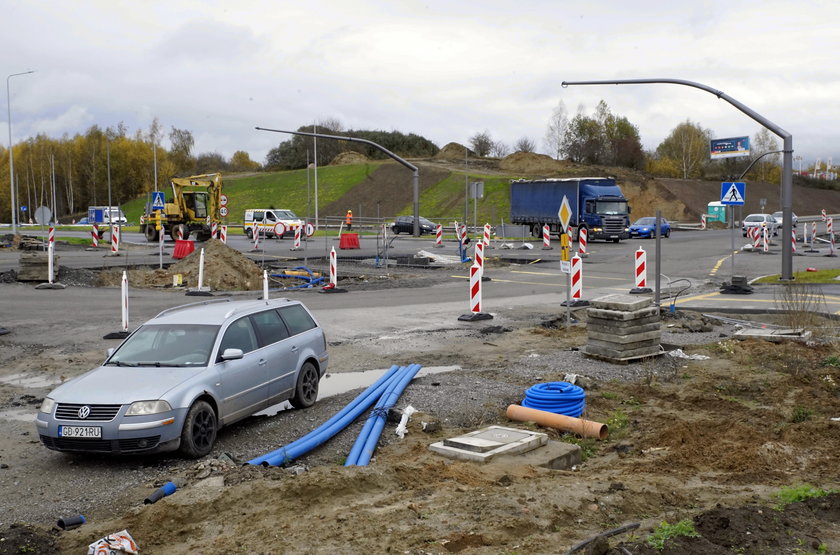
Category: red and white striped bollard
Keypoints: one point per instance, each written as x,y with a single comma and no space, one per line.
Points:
765,233
813,233
214,230
641,272
333,268
297,238
115,239
223,234
830,230
702,221
577,278
486,235
582,235
793,241
439,236
475,288
546,238
256,234
94,236
755,235
479,255
51,235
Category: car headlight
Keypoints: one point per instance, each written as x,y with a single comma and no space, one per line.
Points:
140,408
47,406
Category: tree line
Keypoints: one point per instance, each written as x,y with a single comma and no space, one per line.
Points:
299,150
71,173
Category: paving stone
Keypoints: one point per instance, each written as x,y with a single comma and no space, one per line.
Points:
609,314
626,338
622,302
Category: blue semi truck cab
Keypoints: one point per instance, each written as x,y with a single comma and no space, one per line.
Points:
597,204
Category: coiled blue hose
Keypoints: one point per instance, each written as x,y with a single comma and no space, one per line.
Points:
557,397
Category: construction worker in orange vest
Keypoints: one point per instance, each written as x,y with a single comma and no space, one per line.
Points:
348,220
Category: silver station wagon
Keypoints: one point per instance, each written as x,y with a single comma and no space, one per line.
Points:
181,376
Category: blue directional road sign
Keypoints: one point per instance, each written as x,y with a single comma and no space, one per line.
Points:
157,200
733,193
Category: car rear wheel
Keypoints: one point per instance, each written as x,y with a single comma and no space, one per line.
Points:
394,230
667,233
199,433
306,390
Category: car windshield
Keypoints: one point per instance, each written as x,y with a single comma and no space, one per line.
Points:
424,221
617,208
167,345
646,221
286,215
754,218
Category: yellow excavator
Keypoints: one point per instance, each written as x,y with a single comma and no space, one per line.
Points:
195,204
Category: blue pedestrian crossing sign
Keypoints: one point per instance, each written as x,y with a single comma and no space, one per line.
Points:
733,193
157,200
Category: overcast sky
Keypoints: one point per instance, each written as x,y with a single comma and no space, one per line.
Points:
442,69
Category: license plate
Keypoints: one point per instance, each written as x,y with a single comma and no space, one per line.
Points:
613,236
80,431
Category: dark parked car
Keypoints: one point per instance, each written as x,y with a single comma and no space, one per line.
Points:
405,224
184,374
646,227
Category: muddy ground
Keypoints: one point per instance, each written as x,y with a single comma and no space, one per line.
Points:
712,441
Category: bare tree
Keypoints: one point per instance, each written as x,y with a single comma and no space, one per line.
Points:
482,143
499,149
556,130
524,144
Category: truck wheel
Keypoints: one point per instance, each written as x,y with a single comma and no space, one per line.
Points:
536,231
151,234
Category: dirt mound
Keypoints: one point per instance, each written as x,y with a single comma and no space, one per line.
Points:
225,269
454,151
349,157
531,163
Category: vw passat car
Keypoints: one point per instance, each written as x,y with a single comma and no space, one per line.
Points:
405,224
646,227
181,376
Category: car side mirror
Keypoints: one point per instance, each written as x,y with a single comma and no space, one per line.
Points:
232,354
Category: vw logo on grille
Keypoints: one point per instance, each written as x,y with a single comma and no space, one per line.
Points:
84,412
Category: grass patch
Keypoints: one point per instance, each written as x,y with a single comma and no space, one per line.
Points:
820,276
667,531
446,199
587,446
800,414
795,494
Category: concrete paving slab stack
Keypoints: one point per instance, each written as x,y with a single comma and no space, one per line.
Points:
34,266
622,327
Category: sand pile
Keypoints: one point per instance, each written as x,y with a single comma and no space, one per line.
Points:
531,163
225,269
454,151
349,157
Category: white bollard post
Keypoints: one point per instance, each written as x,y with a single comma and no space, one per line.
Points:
50,262
265,285
124,292
201,270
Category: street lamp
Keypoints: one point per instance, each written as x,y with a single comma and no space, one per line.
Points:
11,157
787,154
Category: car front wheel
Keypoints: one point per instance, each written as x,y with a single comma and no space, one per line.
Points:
306,390
199,433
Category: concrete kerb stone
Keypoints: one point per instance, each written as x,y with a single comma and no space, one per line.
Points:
610,314
621,302
609,327
619,355
629,338
622,324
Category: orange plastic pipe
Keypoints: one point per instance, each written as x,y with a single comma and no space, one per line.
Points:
584,428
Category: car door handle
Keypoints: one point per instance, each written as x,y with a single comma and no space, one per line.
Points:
294,348
262,362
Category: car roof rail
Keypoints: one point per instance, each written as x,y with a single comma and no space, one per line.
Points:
251,306
189,305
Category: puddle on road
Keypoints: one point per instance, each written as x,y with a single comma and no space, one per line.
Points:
24,379
22,415
334,384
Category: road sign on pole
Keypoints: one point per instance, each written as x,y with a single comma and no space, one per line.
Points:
157,200
565,213
733,193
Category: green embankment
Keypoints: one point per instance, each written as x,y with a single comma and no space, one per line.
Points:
443,201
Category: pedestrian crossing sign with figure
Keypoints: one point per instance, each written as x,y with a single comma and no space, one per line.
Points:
733,193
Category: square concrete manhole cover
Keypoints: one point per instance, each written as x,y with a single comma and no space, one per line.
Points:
482,445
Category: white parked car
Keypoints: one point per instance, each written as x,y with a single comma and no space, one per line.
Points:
778,217
760,220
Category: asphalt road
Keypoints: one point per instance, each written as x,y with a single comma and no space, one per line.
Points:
701,259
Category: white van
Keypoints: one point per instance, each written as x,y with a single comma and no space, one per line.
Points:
266,219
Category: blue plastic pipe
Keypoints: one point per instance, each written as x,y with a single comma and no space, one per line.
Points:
329,428
557,397
356,450
365,445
